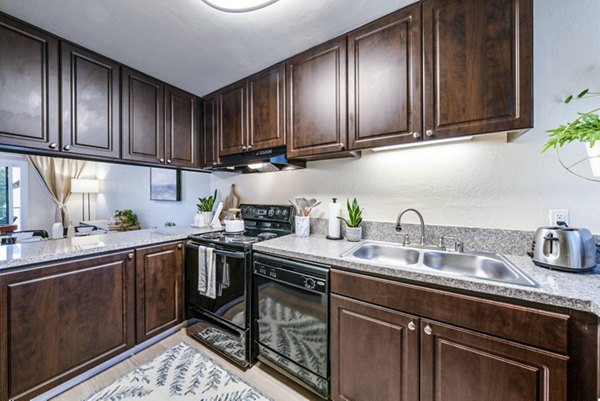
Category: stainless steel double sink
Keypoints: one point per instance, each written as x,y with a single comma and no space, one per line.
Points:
484,266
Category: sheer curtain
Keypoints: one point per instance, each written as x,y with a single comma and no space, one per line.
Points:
56,175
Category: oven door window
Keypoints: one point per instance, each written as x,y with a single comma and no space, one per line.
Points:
230,302
293,323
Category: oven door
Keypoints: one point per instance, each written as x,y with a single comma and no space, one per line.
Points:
291,318
233,278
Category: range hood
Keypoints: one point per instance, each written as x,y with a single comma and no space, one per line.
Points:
259,161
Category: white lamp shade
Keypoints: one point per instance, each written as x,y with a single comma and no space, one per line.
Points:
85,186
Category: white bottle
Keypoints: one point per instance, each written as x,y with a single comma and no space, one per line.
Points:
58,231
335,210
70,231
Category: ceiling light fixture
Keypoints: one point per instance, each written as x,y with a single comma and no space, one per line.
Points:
423,143
238,6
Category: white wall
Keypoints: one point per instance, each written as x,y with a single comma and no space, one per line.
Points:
484,183
128,187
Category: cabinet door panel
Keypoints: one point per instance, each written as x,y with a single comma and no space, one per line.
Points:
232,119
210,154
478,66
316,100
159,289
90,106
143,117
384,80
266,108
55,327
29,95
458,364
181,128
374,355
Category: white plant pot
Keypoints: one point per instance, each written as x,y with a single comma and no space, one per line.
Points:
302,226
208,216
594,158
353,234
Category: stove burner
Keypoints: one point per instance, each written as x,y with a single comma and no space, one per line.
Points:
266,235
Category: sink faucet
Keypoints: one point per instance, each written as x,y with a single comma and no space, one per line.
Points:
399,225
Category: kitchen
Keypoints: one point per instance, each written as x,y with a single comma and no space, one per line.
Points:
490,190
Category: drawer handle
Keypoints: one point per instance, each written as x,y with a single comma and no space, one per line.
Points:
428,330
412,326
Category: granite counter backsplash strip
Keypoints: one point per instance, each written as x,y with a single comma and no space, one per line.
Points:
511,242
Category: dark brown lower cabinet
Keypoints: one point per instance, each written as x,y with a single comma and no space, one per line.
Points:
374,352
159,289
62,319
458,364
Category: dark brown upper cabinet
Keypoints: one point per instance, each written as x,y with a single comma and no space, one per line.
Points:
210,136
142,116
232,123
266,93
90,103
316,100
182,128
384,81
477,66
29,93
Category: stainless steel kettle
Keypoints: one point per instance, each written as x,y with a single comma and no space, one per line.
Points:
564,248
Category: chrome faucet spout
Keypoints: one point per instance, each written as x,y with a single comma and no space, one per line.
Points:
399,223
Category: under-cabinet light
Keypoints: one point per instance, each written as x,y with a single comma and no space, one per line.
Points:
238,6
255,166
423,143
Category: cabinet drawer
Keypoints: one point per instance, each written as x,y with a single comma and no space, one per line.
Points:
539,328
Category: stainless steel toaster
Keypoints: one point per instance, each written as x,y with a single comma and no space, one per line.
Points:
563,248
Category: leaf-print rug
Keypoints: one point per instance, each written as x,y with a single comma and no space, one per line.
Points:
183,374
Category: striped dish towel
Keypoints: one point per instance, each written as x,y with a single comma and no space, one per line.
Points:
207,272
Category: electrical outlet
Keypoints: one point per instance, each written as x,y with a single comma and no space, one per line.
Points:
557,215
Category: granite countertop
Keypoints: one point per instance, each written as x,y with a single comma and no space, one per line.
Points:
569,290
53,250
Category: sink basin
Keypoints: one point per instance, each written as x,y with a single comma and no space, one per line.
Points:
384,253
490,267
479,265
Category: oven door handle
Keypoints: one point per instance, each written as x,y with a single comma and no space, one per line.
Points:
237,255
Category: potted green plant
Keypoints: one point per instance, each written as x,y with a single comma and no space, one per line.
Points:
585,129
205,206
126,220
353,222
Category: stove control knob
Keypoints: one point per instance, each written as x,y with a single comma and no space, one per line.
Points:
278,212
271,212
285,212
309,283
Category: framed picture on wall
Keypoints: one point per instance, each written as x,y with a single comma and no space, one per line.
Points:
165,184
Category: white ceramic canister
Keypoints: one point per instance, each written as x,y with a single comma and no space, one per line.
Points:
302,226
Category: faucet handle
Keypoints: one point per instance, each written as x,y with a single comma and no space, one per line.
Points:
406,240
458,244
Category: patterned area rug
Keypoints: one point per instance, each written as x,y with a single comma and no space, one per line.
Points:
183,374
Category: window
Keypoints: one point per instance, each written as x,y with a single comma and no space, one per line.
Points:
13,186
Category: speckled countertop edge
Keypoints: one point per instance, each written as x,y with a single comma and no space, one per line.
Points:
20,255
567,290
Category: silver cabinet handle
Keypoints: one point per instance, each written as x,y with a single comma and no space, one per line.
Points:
52,145
130,256
179,246
169,161
429,132
416,135
428,330
412,326
249,147
161,160
243,147
67,147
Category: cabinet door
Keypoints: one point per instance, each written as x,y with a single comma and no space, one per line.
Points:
182,131
384,81
29,95
232,119
143,117
90,103
61,320
316,100
210,154
159,289
457,364
478,66
266,108
374,352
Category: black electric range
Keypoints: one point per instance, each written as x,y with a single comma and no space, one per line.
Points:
224,322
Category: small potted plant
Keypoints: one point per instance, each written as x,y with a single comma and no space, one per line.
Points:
303,208
206,207
126,220
353,222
